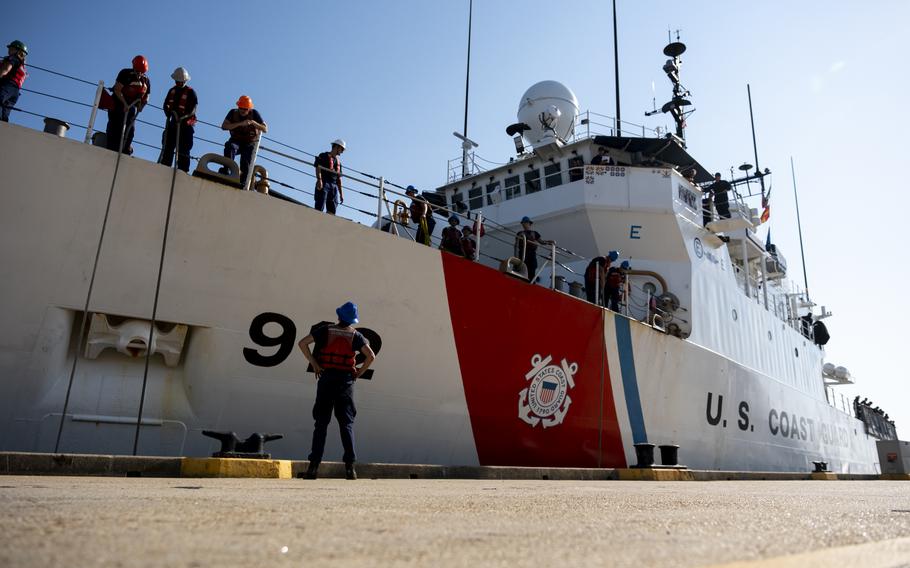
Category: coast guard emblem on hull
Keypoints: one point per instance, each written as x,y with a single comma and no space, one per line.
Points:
546,400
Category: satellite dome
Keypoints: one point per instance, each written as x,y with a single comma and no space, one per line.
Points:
549,108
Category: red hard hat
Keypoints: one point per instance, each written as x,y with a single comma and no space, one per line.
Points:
140,64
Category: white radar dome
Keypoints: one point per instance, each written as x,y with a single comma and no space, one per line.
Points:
828,369
842,373
549,108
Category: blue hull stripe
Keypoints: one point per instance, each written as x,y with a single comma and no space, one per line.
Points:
629,380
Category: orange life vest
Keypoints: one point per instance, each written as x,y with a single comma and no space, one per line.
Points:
338,351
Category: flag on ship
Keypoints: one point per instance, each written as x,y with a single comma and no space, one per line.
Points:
766,206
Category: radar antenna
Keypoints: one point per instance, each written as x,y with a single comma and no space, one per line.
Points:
679,101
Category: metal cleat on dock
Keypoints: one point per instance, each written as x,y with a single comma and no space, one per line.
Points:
233,447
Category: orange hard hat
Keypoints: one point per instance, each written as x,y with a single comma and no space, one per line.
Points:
244,102
140,64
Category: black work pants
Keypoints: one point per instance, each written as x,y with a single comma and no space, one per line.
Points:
170,145
121,121
334,393
722,205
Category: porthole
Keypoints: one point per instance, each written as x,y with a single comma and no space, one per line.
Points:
796,351
769,335
649,288
735,315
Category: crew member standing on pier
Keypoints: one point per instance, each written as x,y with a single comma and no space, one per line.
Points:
245,125
328,178
179,108
131,93
335,365
12,75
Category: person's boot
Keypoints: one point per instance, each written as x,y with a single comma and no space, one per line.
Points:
349,472
312,470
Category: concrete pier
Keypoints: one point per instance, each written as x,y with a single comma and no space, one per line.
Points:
180,522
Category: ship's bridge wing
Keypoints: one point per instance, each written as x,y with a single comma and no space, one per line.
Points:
667,151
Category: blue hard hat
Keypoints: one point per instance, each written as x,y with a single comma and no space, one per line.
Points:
454,218
410,188
612,255
527,219
348,313
625,265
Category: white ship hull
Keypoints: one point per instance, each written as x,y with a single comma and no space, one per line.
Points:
454,378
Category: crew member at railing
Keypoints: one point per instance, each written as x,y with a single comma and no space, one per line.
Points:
179,109
602,158
329,194
245,124
421,215
12,75
719,192
596,276
616,283
131,93
532,240
467,243
451,237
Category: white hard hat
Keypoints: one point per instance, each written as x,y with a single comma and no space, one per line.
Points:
180,74
340,142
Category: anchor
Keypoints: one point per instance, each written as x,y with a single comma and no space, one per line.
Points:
233,447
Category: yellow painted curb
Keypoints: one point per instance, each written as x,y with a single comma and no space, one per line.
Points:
646,474
823,476
232,467
896,476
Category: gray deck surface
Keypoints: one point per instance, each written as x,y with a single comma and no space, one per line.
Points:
83,521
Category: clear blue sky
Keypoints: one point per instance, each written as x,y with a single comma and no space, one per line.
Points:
828,88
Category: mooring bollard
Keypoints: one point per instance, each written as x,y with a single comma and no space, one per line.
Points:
644,453
234,447
820,466
56,127
669,454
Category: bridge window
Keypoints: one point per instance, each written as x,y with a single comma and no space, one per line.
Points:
576,168
513,189
493,193
553,174
458,202
475,198
532,182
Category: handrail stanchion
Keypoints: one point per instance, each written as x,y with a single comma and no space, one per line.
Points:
248,186
552,266
596,285
477,233
91,118
379,203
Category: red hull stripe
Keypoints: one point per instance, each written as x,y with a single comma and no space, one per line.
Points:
515,340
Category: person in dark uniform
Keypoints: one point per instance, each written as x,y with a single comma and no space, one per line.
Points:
179,108
616,280
12,75
245,124
468,245
422,215
719,191
335,365
602,158
596,276
328,193
131,93
532,239
451,237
